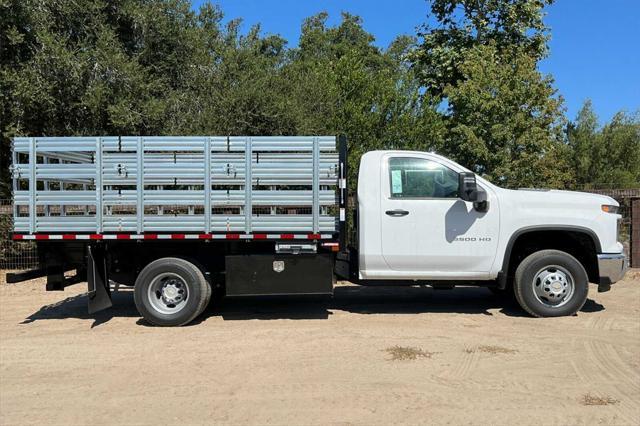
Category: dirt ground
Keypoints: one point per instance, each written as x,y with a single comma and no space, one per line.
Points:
368,356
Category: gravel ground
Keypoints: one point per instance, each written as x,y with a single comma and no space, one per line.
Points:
367,356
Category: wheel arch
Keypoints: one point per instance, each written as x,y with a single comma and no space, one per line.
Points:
129,259
580,242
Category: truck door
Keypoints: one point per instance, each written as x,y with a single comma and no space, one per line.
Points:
427,230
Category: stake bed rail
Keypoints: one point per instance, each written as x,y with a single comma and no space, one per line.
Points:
151,187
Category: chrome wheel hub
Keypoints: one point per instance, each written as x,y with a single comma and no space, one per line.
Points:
168,293
171,293
553,286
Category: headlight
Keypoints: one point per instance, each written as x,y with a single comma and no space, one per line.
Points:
608,208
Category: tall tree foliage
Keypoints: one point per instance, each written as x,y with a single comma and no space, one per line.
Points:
344,84
504,121
503,117
466,24
607,156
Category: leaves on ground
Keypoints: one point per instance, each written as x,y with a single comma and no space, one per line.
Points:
406,353
491,349
589,399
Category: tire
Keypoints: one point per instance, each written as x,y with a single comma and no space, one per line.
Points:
551,283
209,293
171,292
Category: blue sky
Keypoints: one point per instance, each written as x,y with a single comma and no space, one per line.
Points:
595,45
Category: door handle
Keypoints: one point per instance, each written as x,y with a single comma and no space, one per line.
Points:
397,212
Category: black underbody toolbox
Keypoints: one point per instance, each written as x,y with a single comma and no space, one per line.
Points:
271,274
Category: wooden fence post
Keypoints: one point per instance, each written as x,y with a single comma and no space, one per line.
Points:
634,255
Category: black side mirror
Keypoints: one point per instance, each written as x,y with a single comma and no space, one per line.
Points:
469,191
467,187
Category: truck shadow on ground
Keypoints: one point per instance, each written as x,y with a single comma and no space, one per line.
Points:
76,307
375,300
353,299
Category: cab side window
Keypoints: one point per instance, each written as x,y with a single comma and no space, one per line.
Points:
421,178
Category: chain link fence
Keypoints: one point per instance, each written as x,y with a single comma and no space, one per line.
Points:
14,255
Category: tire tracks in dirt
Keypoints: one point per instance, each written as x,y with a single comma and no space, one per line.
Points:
606,372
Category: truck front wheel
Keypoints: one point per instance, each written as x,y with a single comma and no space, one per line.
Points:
171,292
551,283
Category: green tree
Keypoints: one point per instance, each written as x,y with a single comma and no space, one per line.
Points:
608,156
505,121
466,24
343,84
503,118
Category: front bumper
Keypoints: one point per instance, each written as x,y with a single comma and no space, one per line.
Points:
612,267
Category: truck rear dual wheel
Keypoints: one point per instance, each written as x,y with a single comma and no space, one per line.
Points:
171,292
551,283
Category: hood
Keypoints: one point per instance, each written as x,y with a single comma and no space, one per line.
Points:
561,198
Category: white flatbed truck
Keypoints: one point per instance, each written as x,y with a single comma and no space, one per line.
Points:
187,219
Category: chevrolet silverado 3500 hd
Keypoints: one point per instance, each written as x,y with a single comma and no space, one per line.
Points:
185,219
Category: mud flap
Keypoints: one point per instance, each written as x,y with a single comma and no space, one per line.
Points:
98,279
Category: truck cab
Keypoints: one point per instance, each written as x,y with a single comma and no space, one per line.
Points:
416,221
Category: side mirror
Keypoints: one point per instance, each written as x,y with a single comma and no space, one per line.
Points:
467,186
469,191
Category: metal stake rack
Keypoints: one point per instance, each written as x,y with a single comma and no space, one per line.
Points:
107,186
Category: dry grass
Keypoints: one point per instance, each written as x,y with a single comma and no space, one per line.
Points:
404,353
491,349
589,399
